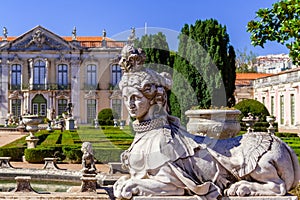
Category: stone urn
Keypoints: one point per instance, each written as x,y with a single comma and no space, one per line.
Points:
31,122
219,124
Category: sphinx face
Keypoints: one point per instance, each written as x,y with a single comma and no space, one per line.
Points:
136,103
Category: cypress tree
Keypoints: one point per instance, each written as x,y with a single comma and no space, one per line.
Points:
206,64
157,51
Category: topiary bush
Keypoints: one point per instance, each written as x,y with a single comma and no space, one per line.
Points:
15,153
106,116
73,153
252,106
37,155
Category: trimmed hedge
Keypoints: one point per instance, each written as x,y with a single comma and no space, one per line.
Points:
73,153
37,155
16,153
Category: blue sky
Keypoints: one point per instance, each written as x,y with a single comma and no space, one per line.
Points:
92,16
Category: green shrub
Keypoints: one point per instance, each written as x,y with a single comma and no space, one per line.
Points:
73,153
15,153
252,106
106,116
37,155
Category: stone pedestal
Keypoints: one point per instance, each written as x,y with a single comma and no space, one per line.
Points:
23,184
50,163
4,162
31,141
89,183
70,124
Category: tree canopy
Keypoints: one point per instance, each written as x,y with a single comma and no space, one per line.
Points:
204,68
157,51
281,23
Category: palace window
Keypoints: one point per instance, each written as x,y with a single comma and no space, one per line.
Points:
62,104
62,75
43,109
272,105
15,82
39,73
116,105
292,109
264,100
281,109
16,107
91,80
91,110
39,105
116,73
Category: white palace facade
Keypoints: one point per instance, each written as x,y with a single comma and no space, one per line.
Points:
41,72
280,93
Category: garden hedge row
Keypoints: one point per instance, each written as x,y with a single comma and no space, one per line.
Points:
16,153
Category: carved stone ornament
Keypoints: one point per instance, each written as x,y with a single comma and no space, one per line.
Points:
62,95
116,94
15,95
91,95
165,160
38,38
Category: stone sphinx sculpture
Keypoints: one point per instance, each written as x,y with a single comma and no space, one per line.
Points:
165,160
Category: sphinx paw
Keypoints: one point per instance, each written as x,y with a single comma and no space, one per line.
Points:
238,189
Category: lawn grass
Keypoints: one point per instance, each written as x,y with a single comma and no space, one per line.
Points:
106,136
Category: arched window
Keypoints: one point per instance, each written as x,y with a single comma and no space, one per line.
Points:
39,105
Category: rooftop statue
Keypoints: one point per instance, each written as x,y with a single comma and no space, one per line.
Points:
165,160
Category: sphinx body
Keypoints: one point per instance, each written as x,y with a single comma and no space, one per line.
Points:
164,159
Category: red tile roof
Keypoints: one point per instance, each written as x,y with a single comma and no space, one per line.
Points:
86,41
245,79
250,76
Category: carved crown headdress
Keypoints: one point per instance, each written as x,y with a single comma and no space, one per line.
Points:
135,74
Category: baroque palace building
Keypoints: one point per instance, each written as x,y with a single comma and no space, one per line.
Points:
41,72
280,93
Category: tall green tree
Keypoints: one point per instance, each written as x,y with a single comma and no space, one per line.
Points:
281,23
157,51
204,70
158,55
